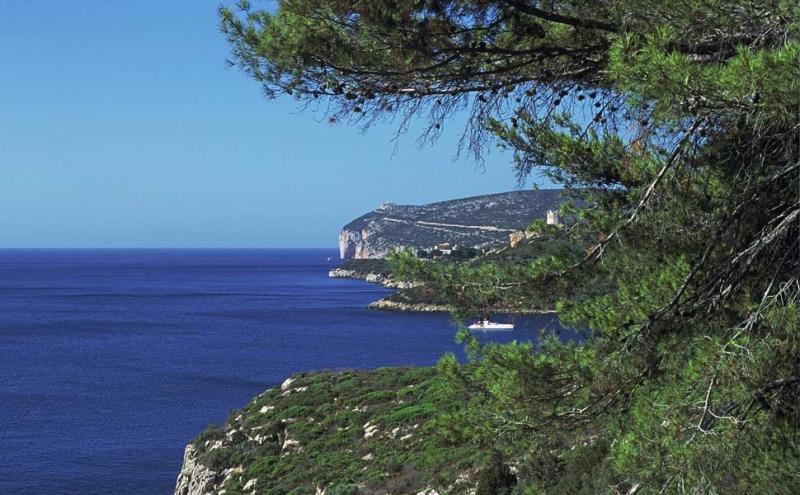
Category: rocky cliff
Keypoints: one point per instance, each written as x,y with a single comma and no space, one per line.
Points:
196,478
479,221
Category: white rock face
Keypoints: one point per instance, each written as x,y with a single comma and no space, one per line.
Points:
195,478
370,431
353,244
289,444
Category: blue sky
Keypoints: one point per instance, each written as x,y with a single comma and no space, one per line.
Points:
121,126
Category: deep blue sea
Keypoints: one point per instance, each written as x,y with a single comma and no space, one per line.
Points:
112,360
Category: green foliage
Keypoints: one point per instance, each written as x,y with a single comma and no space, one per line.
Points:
464,253
675,124
517,279
495,479
212,434
342,490
366,266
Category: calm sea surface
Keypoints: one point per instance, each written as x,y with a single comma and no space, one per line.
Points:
112,360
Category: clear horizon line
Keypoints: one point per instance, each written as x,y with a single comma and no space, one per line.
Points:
12,248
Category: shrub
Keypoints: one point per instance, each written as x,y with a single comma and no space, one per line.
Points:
214,432
495,479
342,490
394,465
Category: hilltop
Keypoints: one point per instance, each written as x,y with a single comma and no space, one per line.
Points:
478,222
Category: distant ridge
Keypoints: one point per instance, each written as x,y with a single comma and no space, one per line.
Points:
478,221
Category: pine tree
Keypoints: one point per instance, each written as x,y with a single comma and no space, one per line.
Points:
677,123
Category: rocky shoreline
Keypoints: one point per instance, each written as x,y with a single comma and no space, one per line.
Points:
389,305
373,278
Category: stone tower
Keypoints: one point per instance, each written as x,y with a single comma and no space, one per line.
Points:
552,217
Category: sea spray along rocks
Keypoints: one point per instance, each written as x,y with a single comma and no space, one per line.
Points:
334,433
480,222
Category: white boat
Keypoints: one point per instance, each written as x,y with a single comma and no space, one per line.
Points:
490,325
